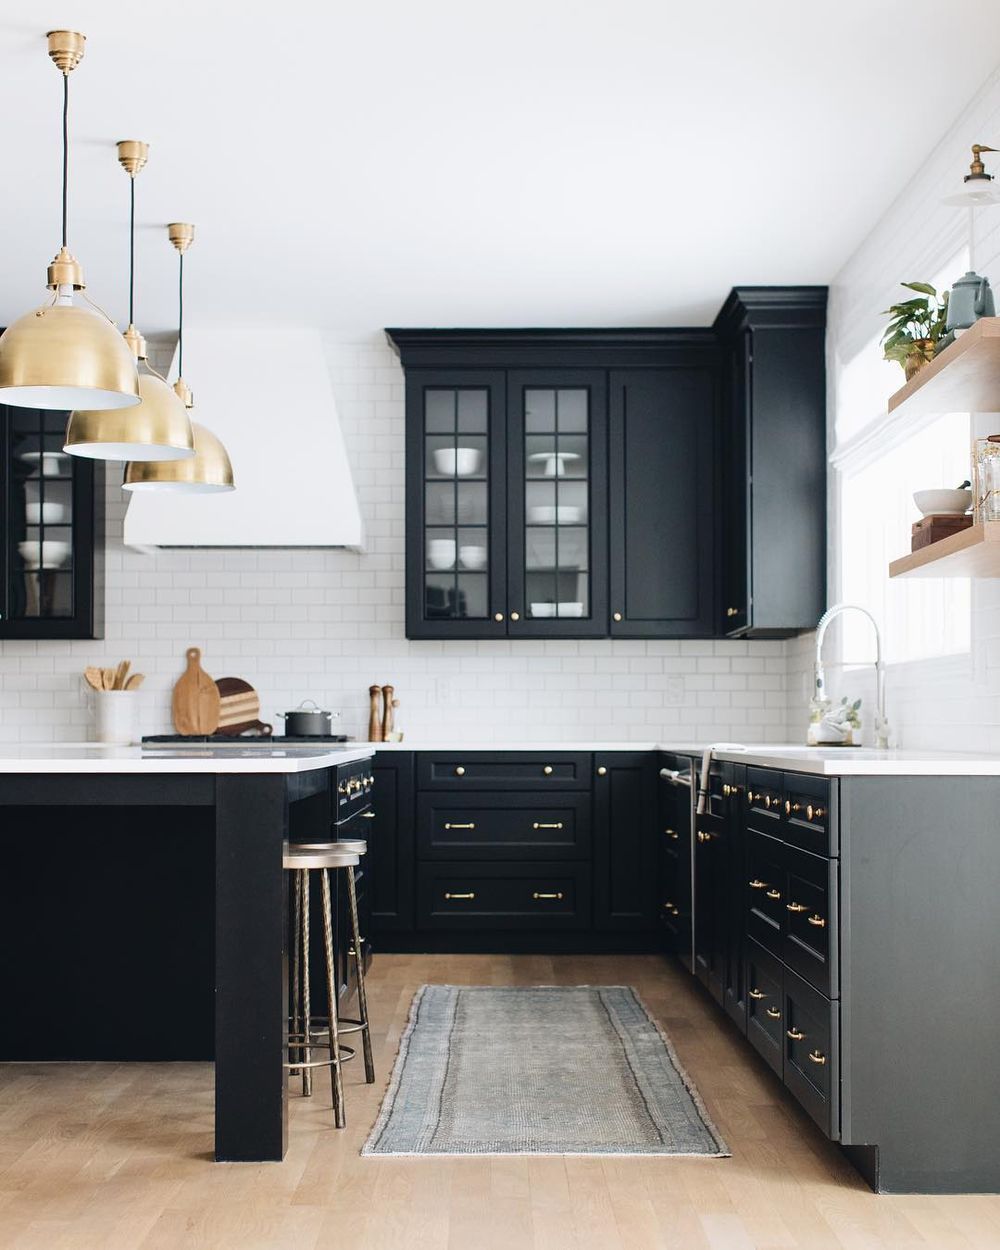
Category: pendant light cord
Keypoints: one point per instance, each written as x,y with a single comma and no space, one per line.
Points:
180,318
131,251
65,163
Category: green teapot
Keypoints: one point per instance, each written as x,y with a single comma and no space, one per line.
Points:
970,299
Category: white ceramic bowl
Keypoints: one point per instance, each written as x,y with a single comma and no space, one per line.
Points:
543,609
563,514
943,502
441,553
54,553
49,513
472,557
570,609
457,461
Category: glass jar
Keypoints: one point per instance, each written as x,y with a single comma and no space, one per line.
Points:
986,483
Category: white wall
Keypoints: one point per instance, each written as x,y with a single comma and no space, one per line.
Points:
951,702
327,624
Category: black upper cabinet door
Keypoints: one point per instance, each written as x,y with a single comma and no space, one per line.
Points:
735,502
662,444
557,554
625,851
52,552
456,578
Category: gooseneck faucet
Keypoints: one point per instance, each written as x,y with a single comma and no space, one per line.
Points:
881,723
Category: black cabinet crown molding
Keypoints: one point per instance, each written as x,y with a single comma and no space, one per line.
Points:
774,307
523,348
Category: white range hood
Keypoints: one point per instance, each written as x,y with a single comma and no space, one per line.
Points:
266,393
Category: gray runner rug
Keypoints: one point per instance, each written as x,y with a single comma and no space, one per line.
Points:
538,1070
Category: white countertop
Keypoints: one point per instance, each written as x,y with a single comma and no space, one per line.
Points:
95,758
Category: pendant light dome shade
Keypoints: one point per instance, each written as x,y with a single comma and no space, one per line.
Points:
208,471
159,429
61,356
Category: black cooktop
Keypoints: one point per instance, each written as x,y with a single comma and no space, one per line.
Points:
279,740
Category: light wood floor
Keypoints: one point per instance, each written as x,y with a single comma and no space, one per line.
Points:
118,1157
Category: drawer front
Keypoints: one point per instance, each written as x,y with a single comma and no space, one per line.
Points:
509,825
357,825
353,787
504,770
765,1013
810,939
483,896
765,891
812,1052
810,818
764,800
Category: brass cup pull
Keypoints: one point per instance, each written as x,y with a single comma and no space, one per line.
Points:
471,894
539,895
817,1056
796,907
818,922
547,824
775,894
757,995
756,884
460,771
451,824
547,770
795,1034
773,1012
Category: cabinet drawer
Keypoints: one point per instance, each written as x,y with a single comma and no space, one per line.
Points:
810,940
511,825
764,800
475,895
765,891
764,981
504,770
810,819
812,1052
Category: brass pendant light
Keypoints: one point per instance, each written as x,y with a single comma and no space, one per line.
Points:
61,355
159,428
209,470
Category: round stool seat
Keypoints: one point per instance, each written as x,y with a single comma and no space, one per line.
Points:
353,846
326,856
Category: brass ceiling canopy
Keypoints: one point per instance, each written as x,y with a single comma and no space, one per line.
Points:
132,155
181,235
60,356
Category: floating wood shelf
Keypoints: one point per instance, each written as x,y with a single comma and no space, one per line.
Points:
964,378
974,552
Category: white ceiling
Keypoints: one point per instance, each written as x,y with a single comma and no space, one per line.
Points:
447,162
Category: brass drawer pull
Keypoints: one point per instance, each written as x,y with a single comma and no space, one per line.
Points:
773,1012
727,790
459,771
470,894
795,1034
775,894
550,824
757,995
451,824
796,907
547,770
671,833
757,884
672,908
817,1056
817,921
538,895
368,815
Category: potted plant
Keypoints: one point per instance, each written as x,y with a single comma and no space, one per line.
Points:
912,336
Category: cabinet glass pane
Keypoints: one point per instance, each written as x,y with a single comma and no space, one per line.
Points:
39,511
557,502
456,503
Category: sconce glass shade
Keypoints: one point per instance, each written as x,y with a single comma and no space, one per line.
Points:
206,472
977,192
60,356
159,429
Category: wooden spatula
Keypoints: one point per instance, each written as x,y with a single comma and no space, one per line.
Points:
196,699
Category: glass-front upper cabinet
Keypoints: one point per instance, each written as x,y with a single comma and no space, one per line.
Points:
557,502
52,507
455,488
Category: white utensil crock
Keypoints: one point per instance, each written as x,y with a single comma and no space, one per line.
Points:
114,716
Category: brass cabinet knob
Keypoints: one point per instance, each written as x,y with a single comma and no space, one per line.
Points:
704,836
817,1056
757,995
796,907
459,771
788,808
515,616
795,1034
818,922
773,1012
547,770
732,611
498,616
616,616
602,771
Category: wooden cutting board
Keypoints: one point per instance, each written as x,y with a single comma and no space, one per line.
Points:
196,699
239,708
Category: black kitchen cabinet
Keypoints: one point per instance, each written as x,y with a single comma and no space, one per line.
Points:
575,469
735,869
673,840
390,835
52,555
772,520
625,804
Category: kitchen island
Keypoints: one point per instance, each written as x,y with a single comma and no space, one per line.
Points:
109,842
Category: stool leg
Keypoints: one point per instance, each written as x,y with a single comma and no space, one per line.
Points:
359,968
336,1082
307,1080
296,966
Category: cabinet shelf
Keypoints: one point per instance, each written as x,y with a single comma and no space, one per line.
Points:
964,378
974,552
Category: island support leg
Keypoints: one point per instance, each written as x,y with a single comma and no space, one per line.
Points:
251,969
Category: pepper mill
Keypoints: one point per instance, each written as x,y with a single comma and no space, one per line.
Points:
387,715
375,714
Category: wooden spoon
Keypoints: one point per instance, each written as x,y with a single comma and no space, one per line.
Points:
93,677
108,678
135,681
121,672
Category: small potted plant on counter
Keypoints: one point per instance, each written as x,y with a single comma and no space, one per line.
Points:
912,336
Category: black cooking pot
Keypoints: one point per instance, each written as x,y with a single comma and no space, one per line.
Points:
308,722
